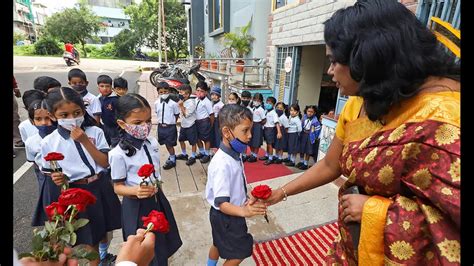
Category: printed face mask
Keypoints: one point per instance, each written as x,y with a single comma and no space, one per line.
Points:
69,123
138,131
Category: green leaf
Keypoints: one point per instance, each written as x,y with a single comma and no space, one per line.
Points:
48,226
43,233
65,237
37,243
92,255
73,239
69,227
24,255
80,223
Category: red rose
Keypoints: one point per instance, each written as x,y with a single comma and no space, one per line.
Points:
55,208
54,156
146,170
158,219
76,196
261,192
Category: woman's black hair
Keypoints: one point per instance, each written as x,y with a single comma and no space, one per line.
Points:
59,96
124,106
237,97
296,107
388,51
34,100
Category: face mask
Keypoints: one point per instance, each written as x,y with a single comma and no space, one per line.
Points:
44,131
138,131
279,112
245,102
215,101
237,145
164,96
69,123
79,88
180,97
268,106
256,104
201,95
232,102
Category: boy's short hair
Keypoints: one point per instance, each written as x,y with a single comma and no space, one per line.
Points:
231,115
43,83
185,88
76,73
120,82
246,94
272,99
104,79
163,85
202,85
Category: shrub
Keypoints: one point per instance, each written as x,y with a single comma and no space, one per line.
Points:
108,50
47,46
24,50
18,36
125,42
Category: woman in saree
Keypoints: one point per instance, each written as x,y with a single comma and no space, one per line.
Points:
397,140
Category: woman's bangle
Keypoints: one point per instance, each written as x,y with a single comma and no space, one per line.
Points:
286,195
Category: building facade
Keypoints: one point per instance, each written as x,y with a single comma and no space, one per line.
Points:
23,18
113,18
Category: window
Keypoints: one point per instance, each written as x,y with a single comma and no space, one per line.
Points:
281,3
218,14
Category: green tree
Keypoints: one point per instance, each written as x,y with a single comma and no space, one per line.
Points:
125,43
74,25
144,24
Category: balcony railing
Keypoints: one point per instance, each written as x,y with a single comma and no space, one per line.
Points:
446,10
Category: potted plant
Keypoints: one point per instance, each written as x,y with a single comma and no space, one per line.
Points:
240,42
214,62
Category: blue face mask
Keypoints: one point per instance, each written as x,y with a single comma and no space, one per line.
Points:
44,131
279,112
238,145
268,106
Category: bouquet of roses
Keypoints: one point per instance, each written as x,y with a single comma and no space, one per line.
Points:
53,158
59,231
262,192
156,221
145,172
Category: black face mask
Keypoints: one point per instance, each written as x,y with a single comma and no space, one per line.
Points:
180,97
245,102
279,112
80,88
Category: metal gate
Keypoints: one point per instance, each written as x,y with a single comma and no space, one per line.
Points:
286,83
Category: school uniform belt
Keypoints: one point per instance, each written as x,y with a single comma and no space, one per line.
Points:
203,119
86,180
165,125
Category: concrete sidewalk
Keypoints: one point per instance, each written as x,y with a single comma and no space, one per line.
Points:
191,210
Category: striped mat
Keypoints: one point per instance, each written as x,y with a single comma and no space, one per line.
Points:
304,248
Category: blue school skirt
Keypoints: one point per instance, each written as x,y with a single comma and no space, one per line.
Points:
104,215
132,212
48,193
282,144
305,144
167,134
215,134
257,135
293,143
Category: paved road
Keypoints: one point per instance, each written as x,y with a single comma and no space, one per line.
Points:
26,187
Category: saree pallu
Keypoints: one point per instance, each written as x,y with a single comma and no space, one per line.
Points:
411,169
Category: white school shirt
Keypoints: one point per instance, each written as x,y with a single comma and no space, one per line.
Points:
272,119
72,165
226,179
217,107
258,114
283,120
188,120
294,125
33,150
125,169
92,104
166,112
203,108
27,129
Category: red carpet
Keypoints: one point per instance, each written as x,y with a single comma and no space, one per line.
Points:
304,248
257,171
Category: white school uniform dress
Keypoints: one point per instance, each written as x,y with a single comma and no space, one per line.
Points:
203,108
92,103
27,129
284,122
258,114
190,118
166,111
294,129
125,168
33,150
272,119
217,107
294,125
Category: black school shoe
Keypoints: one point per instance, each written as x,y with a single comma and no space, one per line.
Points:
109,260
251,159
244,158
303,167
169,164
286,160
298,165
191,161
183,157
263,158
205,159
278,161
290,163
199,155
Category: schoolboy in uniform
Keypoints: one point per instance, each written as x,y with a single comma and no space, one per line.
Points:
245,98
188,129
78,81
226,190
167,112
204,121
271,131
120,86
217,105
108,100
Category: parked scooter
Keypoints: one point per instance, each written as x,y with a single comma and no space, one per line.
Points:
70,58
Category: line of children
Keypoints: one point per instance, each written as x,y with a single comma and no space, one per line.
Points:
85,163
217,105
226,190
108,100
187,131
135,149
167,112
204,121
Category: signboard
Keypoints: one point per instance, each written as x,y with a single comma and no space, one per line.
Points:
288,64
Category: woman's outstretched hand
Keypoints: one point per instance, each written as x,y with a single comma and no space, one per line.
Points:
276,196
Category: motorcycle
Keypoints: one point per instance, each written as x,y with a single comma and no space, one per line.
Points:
70,59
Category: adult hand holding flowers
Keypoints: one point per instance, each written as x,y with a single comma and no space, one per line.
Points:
139,248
